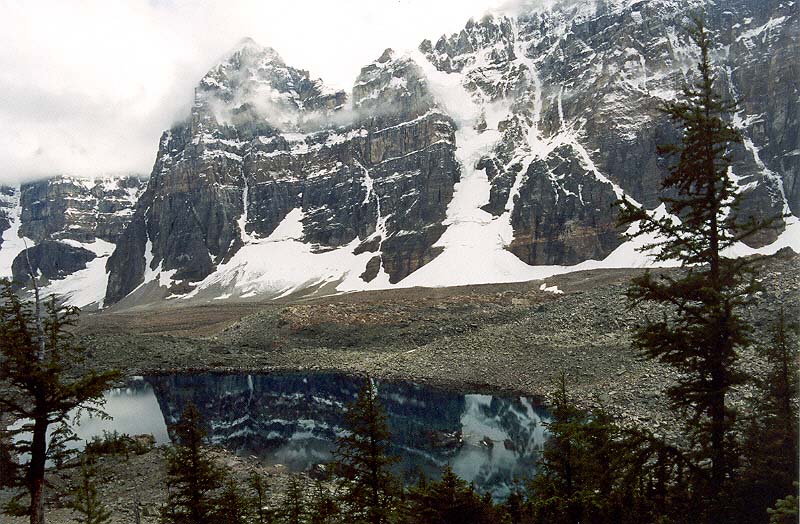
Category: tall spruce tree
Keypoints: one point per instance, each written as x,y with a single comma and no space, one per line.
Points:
231,505
293,509
780,387
705,328
85,499
450,500
43,378
770,451
363,461
575,480
193,478
262,514
323,508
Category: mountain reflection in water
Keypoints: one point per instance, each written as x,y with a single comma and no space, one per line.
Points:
294,419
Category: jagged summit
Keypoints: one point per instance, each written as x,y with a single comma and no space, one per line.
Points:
248,47
387,55
491,155
252,85
247,42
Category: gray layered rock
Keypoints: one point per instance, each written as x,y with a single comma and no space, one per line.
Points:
7,204
237,167
67,222
77,208
565,222
603,73
577,86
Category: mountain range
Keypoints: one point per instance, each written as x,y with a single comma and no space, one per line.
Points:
494,154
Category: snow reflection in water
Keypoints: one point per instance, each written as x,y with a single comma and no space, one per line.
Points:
294,419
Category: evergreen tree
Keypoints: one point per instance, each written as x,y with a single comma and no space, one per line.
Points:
592,470
261,512
293,510
192,476
85,499
7,463
780,399
572,482
451,500
514,507
785,510
323,508
771,444
231,505
363,461
43,378
701,336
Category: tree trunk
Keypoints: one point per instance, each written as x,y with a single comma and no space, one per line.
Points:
39,440
36,471
719,465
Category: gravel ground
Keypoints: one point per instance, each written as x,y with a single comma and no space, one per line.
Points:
120,478
511,337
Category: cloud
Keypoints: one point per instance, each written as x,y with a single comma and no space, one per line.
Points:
88,86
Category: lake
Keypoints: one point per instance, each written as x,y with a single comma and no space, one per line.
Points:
294,419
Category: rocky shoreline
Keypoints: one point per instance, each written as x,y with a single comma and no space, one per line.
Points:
124,478
513,338
510,338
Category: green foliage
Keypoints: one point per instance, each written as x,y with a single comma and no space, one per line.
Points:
701,335
593,470
85,499
7,463
449,501
780,387
785,510
572,482
363,461
192,476
770,450
57,450
261,513
43,377
231,505
323,508
293,509
514,507
114,443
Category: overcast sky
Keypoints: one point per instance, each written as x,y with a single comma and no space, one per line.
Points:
87,87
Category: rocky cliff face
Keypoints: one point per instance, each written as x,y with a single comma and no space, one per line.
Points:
68,224
480,157
8,197
51,260
264,140
78,209
493,154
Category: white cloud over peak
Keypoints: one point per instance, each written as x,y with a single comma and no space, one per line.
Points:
87,87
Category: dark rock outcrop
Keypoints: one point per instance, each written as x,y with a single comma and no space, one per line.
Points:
567,222
50,259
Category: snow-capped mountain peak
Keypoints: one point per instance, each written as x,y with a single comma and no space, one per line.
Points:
491,155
